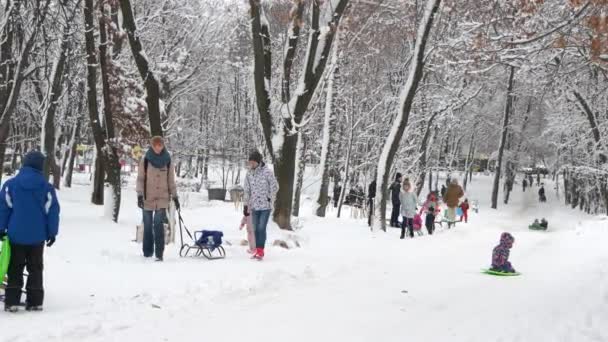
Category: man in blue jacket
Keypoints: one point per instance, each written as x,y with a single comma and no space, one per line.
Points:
29,214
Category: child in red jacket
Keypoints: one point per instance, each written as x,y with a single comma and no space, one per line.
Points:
464,206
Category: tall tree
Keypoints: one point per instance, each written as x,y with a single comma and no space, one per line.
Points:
406,101
144,68
281,142
504,134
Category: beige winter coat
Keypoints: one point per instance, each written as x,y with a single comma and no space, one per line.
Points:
160,187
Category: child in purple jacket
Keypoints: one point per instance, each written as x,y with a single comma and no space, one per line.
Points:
500,255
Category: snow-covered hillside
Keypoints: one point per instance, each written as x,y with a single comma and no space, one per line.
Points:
344,284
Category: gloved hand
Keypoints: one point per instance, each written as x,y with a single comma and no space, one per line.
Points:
140,202
50,242
246,211
2,234
176,202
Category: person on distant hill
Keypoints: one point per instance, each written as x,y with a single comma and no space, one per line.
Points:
541,194
464,206
500,254
395,191
371,197
337,192
409,203
525,184
261,188
29,215
451,199
155,189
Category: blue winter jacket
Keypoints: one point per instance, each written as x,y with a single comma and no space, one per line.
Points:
29,209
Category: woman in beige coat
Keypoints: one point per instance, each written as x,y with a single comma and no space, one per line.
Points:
155,188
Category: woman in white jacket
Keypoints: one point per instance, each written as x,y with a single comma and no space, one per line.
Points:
409,203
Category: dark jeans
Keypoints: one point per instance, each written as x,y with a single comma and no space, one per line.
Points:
154,232
430,223
260,218
409,223
395,214
370,216
29,257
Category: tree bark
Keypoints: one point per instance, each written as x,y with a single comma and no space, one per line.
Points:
469,161
408,94
145,71
55,91
97,196
293,112
422,167
329,128
300,167
73,146
111,153
503,140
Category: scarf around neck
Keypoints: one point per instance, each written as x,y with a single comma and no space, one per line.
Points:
158,160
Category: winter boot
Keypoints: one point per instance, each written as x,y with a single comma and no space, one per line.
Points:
259,254
159,259
11,309
33,308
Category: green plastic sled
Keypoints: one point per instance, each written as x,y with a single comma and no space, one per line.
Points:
5,258
536,227
500,274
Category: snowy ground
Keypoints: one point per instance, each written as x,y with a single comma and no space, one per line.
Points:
345,284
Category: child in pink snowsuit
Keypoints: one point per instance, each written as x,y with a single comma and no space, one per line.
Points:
246,221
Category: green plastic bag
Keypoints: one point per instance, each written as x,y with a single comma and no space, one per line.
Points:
5,257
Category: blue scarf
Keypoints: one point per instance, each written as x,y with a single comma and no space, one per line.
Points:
159,161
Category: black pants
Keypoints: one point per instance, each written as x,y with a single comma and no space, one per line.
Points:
409,223
29,257
370,204
395,214
430,223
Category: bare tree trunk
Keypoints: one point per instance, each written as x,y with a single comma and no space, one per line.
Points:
55,91
346,177
67,181
97,196
145,71
422,166
313,68
408,94
503,139
113,162
300,167
329,128
11,85
469,161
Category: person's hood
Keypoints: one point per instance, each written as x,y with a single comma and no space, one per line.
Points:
30,179
506,240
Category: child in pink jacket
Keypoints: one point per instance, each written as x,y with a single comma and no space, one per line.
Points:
246,221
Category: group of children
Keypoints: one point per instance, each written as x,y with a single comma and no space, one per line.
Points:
432,208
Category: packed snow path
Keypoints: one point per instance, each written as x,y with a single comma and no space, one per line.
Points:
345,284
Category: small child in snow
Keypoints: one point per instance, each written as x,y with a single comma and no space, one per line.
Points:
431,207
246,221
464,206
500,255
